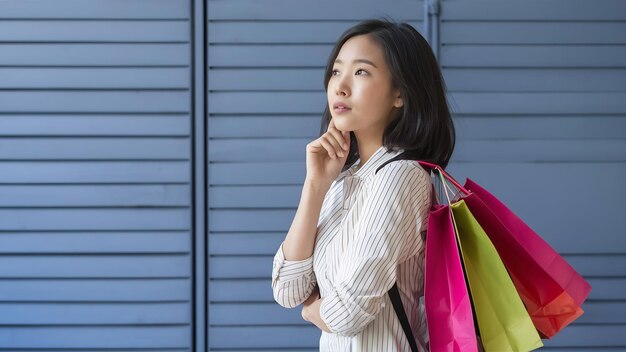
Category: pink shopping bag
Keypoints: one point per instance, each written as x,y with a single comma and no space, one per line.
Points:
448,307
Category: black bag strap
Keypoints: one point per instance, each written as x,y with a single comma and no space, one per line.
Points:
399,308
402,156
393,292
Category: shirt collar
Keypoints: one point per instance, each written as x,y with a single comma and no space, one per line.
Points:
369,168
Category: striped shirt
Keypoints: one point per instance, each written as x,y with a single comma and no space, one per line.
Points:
370,235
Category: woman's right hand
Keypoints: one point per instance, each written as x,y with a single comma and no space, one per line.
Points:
326,156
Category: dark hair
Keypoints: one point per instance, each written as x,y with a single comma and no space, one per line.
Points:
424,126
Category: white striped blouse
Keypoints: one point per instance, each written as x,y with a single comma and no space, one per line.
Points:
370,235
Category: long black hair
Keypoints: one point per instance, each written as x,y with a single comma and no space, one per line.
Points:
424,126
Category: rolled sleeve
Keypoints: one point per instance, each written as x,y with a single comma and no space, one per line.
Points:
292,280
385,236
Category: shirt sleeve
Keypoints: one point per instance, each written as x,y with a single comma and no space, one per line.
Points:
386,235
292,280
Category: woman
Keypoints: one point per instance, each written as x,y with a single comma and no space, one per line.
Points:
359,227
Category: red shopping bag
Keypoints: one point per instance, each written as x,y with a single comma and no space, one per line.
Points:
550,288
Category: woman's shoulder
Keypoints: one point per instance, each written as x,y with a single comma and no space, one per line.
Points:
399,171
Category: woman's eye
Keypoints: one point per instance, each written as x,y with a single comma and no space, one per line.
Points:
333,73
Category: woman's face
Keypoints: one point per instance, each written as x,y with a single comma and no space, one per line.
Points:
361,79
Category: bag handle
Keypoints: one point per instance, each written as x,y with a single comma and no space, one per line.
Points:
442,171
445,187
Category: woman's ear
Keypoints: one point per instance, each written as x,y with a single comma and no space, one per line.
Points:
398,102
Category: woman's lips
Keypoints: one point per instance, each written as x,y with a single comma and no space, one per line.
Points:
340,110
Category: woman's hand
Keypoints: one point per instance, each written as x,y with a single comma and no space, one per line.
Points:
315,295
326,155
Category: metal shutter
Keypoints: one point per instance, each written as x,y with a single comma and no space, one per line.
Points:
538,90
266,96
95,176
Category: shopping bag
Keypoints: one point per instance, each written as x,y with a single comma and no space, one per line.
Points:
503,322
550,288
447,302
552,291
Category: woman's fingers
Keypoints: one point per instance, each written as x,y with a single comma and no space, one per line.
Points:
341,140
330,144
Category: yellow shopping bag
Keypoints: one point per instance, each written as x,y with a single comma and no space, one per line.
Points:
503,321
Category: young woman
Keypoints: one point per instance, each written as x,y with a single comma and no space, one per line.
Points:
359,227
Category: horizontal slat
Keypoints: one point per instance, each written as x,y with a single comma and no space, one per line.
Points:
91,266
545,10
243,243
90,148
95,219
94,31
95,101
94,195
259,290
95,125
479,55
311,32
401,10
252,197
500,79
272,314
102,242
539,103
296,125
94,78
518,103
280,55
254,243
241,291
95,172
104,54
513,151
535,79
248,267
467,127
226,349
70,337
522,56
308,336
294,172
263,79
96,290
101,9
25,314
259,314
509,32
271,337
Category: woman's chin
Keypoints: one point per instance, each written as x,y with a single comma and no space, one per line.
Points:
341,123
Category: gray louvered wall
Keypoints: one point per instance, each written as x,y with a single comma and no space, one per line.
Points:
96,157
266,61
95,175
539,94
537,90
